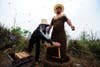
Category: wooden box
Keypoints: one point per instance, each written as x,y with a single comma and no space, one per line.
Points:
53,52
20,58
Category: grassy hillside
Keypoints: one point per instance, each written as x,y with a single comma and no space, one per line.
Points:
87,54
84,51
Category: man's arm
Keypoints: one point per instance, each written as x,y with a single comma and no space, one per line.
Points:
49,29
42,36
52,21
70,24
48,40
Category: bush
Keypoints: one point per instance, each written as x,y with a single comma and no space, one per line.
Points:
11,39
95,49
19,30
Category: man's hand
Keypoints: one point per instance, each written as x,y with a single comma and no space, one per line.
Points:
73,28
56,44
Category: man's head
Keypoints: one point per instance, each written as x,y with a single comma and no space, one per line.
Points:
44,21
59,8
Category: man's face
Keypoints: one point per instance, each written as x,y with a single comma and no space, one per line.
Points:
58,10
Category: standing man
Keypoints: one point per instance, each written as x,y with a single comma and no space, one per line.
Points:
58,33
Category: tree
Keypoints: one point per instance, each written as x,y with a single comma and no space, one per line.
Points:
19,30
84,37
92,36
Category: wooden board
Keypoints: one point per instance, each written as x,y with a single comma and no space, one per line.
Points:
21,59
21,55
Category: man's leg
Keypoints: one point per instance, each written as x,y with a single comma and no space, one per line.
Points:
37,50
31,43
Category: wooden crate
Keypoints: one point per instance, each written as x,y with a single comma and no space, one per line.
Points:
19,59
53,51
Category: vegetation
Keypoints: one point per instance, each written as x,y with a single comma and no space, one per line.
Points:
85,51
11,39
20,31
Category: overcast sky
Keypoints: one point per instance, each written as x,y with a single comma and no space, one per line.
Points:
84,14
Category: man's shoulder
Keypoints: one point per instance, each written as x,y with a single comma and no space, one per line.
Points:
64,15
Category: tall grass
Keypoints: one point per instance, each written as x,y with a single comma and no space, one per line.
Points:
85,51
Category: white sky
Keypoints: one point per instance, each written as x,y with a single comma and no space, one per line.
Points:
84,14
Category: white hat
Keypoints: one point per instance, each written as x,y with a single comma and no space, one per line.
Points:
44,21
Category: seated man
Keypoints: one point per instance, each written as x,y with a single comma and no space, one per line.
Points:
37,35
